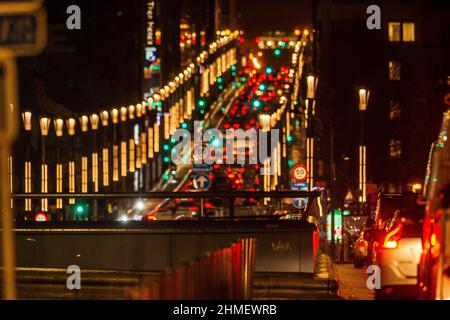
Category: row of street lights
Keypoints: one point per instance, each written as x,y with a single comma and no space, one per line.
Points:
132,135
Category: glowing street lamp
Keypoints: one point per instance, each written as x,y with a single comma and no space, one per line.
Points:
363,96
26,117
94,118
84,125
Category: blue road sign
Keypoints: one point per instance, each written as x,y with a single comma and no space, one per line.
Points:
202,167
301,186
201,181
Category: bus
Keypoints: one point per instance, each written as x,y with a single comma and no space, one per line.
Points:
434,266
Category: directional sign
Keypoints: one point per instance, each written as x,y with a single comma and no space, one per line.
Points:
201,167
299,173
300,202
201,181
23,28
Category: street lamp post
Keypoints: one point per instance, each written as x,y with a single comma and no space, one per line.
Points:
123,147
84,126
59,131
27,124
44,124
71,127
94,119
311,85
265,121
363,102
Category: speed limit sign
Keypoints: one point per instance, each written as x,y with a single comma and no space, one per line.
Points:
299,173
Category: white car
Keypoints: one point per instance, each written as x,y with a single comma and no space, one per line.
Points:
397,252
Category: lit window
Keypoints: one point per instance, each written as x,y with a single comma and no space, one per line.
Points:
394,109
394,70
395,149
408,32
394,29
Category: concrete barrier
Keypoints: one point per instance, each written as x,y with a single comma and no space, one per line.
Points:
282,245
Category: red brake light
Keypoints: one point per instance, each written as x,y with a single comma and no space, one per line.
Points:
151,218
208,205
391,240
193,208
42,217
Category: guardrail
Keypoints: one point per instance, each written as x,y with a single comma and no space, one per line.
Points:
230,196
224,274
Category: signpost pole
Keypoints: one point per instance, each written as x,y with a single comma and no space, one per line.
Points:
24,33
8,131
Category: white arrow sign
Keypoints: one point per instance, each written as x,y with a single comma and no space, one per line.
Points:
201,181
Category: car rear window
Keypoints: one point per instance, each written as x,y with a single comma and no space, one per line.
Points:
407,204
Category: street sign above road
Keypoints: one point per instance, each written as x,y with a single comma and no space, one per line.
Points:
300,202
201,181
201,167
23,28
299,173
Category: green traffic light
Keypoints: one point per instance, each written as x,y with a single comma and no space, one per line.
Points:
184,125
166,147
289,138
262,87
290,163
269,70
201,103
256,104
277,52
80,209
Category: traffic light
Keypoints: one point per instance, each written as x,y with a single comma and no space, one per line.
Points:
201,105
277,52
262,87
201,102
41,217
256,104
269,70
80,210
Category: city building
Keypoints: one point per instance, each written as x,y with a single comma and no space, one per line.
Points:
405,65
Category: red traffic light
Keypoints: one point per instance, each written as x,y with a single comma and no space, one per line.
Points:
41,217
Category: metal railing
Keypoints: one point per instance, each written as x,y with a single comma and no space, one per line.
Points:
223,274
229,196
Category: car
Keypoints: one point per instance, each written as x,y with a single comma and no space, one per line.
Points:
434,266
398,246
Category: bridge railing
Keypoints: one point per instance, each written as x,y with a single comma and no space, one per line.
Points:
275,202
224,274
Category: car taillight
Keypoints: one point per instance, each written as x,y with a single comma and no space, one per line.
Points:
391,239
208,205
151,218
193,208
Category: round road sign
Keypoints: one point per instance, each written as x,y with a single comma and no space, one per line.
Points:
299,173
